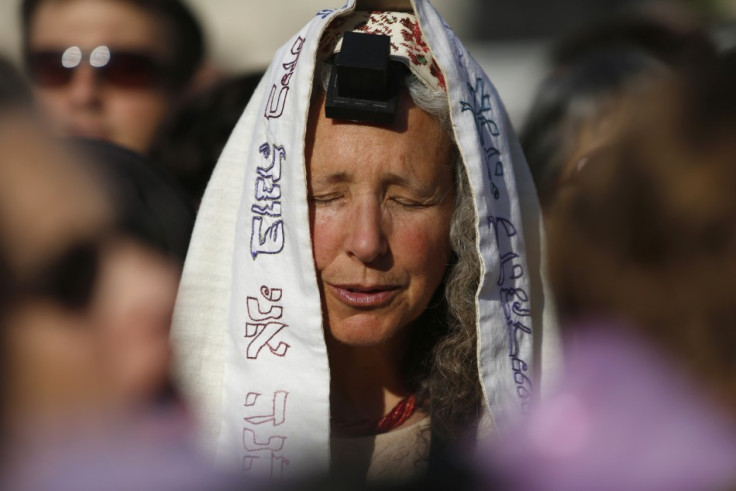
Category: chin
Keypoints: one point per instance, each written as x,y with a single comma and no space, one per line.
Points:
362,334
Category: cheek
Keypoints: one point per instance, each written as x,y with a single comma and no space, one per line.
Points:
325,240
135,117
55,357
136,101
139,110
425,247
53,103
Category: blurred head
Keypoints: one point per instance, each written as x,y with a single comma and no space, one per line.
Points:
597,74
580,108
110,69
645,233
85,310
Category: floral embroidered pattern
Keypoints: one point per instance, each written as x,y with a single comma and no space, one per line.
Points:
407,41
479,106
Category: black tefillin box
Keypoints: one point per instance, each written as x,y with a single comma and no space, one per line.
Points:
365,81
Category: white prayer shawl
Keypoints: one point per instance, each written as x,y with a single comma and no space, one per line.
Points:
247,332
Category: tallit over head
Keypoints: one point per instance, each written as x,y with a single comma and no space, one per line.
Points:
247,330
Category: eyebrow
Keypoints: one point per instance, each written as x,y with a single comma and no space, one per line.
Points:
334,178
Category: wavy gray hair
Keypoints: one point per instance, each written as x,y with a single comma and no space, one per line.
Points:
443,363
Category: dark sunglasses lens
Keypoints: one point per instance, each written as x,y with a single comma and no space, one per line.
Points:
46,69
131,70
70,280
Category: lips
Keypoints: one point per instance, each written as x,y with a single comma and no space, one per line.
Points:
88,130
365,296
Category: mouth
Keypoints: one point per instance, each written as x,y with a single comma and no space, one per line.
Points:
365,296
88,131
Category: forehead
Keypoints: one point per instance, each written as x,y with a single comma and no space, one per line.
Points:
90,23
46,199
416,145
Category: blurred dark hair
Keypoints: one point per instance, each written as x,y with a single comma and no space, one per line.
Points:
6,299
646,233
5,286
572,98
591,70
192,137
186,38
672,43
14,92
148,204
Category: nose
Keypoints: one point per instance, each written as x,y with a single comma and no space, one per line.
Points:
367,238
84,87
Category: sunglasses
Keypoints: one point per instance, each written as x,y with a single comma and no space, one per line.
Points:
68,279
124,69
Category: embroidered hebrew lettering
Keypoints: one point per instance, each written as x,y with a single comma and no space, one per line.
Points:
262,335
267,236
277,416
263,328
280,91
255,313
277,464
516,304
324,13
251,443
487,129
264,447
267,226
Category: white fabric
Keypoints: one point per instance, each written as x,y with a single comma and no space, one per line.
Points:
248,329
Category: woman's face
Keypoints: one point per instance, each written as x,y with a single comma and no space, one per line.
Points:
89,105
381,201
53,362
112,352
110,349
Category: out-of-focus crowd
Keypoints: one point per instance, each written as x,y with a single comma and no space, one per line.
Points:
109,133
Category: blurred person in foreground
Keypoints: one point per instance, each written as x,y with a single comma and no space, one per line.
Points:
154,214
646,234
85,308
596,77
134,302
643,267
363,291
110,69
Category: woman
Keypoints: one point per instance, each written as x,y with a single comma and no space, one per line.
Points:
111,69
385,258
408,302
85,307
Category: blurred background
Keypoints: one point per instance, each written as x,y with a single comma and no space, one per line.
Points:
509,39
648,183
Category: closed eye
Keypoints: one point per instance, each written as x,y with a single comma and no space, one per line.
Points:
410,203
321,199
